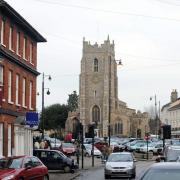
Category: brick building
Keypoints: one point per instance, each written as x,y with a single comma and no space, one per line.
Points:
18,73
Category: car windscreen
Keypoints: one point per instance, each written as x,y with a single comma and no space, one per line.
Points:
11,163
164,174
120,158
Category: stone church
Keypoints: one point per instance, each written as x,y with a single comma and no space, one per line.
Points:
98,97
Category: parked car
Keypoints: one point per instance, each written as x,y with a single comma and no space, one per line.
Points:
100,145
68,148
164,171
22,167
88,151
171,153
121,164
54,143
55,160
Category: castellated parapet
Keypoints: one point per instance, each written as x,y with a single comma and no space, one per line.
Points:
106,46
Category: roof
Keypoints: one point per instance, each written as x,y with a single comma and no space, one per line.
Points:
9,11
166,165
177,106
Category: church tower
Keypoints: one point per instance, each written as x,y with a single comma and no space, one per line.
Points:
98,89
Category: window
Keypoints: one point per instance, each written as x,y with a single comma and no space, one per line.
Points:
10,87
1,139
11,38
36,162
9,139
18,43
95,65
30,94
95,114
24,93
1,75
24,47
31,53
2,31
17,88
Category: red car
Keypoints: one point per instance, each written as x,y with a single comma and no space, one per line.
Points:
22,168
68,148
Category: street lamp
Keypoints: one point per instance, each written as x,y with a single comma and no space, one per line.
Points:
157,118
118,62
48,93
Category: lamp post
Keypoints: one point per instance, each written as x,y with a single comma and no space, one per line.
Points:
157,117
118,62
48,92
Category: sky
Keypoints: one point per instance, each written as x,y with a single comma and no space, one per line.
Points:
146,35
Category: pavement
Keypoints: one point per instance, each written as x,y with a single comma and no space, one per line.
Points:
87,165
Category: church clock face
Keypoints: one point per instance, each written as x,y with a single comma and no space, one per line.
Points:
95,79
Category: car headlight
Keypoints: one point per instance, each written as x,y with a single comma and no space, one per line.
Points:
8,177
129,167
108,167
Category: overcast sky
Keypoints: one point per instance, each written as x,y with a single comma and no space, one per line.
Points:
146,35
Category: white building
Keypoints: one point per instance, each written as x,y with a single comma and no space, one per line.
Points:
170,114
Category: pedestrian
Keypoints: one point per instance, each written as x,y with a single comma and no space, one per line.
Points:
103,153
36,145
42,145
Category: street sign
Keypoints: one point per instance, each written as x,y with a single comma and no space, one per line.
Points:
32,119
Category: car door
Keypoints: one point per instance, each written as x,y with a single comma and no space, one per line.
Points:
56,160
37,168
29,172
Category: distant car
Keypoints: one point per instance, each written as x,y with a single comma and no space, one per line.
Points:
68,148
121,164
54,143
55,160
22,167
164,171
100,145
88,151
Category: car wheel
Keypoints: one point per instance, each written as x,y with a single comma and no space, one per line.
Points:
107,176
46,178
133,176
21,178
67,169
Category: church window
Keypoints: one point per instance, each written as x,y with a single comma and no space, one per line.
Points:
95,94
95,65
96,114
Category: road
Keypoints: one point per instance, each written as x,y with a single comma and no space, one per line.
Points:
98,173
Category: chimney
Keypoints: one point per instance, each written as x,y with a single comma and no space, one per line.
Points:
174,95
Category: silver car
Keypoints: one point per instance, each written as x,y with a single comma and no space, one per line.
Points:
120,164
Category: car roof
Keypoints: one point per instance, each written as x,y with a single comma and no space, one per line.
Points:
121,153
166,165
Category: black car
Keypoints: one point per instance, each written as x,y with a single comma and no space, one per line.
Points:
55,160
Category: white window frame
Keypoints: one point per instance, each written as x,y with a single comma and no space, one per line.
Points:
18,43
17,88
11,38
1,139
9,140
2,31
31,53
30,94
24,93
10,86
24,47
1,75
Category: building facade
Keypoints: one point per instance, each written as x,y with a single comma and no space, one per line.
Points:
18,73
99,104
170,114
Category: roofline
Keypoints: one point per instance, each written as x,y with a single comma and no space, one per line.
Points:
19,19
